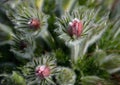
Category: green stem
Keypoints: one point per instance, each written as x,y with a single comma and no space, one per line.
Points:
82,74
68,7
39,4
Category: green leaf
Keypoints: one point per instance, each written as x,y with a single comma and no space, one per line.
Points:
50,6
10,3
6,34
111,63
87,66
94,80
7,67
110,40
44,37
115,11
99,55
17,79
66,76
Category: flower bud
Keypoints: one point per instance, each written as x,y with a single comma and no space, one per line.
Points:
42,71
22,45
75,28
34,24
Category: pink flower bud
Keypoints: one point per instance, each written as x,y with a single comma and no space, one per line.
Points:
42,71
75,27
34,24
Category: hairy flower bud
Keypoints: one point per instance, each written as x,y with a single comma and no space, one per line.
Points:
75,27
42,71
22,45
34,24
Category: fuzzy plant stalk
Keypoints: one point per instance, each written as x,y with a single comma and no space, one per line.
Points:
80,29
41,70
23,46
30,21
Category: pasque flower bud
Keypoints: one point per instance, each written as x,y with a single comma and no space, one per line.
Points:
22,44
34,24
42,71
75,27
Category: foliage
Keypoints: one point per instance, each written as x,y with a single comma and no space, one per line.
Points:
59,42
